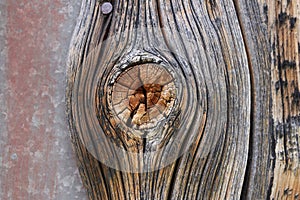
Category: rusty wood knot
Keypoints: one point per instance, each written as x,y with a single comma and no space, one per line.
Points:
143,95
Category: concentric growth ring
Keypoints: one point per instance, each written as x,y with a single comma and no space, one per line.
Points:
139,113
142,96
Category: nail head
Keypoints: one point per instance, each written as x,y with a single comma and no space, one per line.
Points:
106,8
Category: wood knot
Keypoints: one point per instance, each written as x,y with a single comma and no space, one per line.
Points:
143,95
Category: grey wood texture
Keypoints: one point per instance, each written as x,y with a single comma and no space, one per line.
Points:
240,60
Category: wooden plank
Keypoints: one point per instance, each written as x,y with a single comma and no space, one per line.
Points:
284,30
240,63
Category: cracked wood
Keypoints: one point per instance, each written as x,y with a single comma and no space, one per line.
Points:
234,66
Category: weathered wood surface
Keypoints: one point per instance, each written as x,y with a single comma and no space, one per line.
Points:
240,63
284,38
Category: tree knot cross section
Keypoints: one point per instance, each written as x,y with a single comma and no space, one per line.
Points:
143,95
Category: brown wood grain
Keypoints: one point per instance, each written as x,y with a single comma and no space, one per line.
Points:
240,63
284,39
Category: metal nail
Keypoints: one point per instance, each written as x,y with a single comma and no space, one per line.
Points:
106,8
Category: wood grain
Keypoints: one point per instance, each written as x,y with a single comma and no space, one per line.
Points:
284,30
235,67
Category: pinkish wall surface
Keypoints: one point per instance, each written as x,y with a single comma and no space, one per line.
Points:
36,159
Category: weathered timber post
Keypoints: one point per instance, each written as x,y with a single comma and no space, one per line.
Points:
186,99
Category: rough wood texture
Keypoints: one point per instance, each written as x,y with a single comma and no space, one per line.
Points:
235,68
284,38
